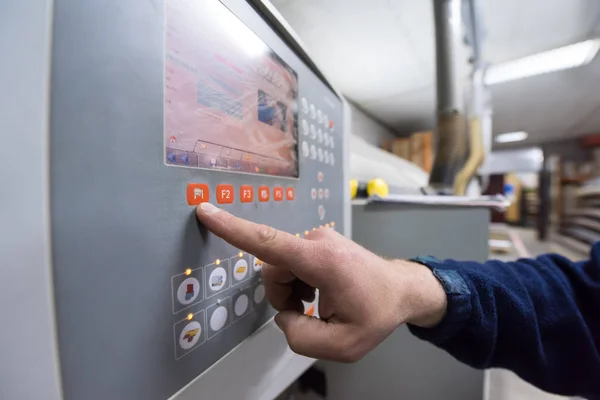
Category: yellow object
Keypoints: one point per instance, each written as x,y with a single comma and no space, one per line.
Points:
377,186
353,188
326,225
305,233
188,271
190,317
218,261
297,235
240,254
476,157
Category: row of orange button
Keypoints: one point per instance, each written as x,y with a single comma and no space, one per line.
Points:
197,193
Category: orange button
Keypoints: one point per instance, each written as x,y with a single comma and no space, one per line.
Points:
246,194
263,193
197,193
278,193
290,194
225,194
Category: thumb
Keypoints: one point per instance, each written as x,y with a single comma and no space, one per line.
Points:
309,336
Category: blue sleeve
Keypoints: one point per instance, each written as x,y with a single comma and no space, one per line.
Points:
539,318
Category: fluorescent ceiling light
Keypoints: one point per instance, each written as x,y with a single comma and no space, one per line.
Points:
511,137
571,56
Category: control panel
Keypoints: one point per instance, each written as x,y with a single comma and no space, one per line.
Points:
156,108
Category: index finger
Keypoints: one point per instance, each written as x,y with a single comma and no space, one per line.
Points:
270,245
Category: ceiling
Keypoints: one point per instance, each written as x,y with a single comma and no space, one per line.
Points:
380,54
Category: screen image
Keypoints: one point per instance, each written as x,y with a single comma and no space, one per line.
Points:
230,101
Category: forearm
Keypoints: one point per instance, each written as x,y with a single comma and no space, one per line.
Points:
535,317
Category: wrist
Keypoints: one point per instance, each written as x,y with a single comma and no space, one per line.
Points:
426,298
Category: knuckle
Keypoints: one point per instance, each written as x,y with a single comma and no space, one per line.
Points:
267,235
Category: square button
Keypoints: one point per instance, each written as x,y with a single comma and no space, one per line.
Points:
290,194
197,193
278,193
190,333
187,289
218,317
225,194
263,193
246,194
217,277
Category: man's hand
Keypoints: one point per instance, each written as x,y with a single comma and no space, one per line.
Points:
362,297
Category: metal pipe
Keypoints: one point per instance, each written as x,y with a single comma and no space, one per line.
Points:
452,142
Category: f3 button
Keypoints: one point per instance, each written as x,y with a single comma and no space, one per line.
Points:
246,194
225,194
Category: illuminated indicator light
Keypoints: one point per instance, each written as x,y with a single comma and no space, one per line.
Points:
326,225
314,229
188,271
217,262
240,254
203,145
256,169
247,158
297,235
332,223
190,317
320,226
306,233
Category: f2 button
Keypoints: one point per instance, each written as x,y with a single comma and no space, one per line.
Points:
225,194
246,194
278,193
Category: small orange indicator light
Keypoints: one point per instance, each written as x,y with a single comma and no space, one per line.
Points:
297,235
240,254
326,225
217,262
314,229
188,271
190,317
305,233
332,223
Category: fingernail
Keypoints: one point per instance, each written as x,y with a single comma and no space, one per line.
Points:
209,209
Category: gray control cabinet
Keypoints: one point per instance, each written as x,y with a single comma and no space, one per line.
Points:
404,367
146,298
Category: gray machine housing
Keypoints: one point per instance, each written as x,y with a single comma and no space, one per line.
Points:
118,231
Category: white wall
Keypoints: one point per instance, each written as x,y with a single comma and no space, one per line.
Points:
367,128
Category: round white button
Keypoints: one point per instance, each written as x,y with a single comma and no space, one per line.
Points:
259,294
319,116
331,142
304,127
320,193
313,111
321,212
320,153
190,334
313,132
218,319
305,149
188,291
320,132
218,279
241,305
326,156
304,105
313,151
331,159
326,139
313,193
256,264
240,269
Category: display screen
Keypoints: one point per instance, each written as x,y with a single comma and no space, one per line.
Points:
230,101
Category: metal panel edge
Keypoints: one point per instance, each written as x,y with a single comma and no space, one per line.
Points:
28,344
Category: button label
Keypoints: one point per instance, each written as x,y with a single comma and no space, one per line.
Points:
263,193
188,291
320,176
197,193
313,193
278,193
225,194
290,194
246,194
190,335
321,212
